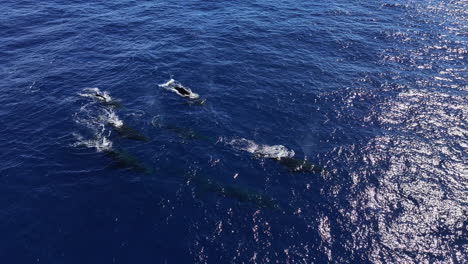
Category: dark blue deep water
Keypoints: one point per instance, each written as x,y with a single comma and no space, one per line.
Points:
102,163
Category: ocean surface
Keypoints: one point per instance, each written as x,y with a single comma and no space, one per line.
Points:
310,131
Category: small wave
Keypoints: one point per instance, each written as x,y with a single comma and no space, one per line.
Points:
178,88
274,151
393,5
136,113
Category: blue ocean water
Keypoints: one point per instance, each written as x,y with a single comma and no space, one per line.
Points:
101,163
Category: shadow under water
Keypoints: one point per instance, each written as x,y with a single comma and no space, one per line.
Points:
182,132
299,165
129,133
123,160
204,185
114,104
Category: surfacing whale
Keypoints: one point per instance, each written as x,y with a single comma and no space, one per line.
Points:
299,165
176,87
278,153
259,150
182,91
102,97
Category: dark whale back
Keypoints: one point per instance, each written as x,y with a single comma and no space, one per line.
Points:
182,90
298,165
129,133
123,160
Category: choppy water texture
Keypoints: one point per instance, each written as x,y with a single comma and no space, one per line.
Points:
100,164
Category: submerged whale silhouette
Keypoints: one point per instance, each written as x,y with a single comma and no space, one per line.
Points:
122,159
299,165
128,132
185,133
233,192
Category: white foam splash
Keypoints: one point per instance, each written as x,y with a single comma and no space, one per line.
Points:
274,151
167,84
92,116
100,143
171,84
96,94
94,120
112,118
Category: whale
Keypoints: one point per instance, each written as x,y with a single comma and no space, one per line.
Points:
237,193
278,153
299,165
104,101
182,91
185,133
102,97
196,102
120,159
128,132
123,160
